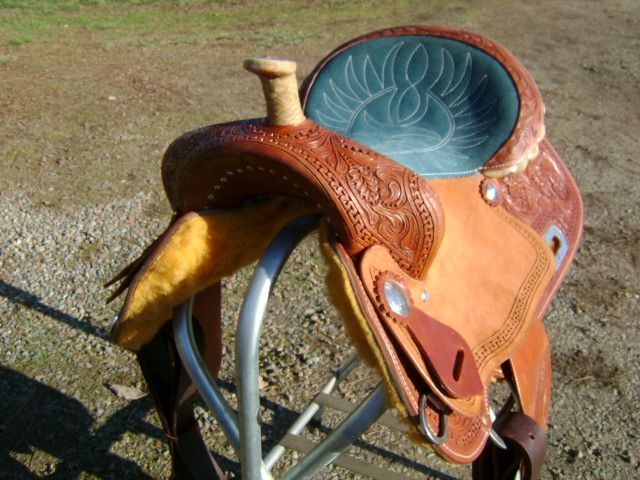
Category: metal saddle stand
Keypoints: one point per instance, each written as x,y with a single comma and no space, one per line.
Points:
243,430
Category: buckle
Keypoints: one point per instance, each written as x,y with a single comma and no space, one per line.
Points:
429,434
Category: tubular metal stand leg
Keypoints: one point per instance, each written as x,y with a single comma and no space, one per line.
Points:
244,431
347,432
248,340
206,385
197,370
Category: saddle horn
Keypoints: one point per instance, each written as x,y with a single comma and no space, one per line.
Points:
280,87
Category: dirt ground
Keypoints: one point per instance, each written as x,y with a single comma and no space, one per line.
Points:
87,109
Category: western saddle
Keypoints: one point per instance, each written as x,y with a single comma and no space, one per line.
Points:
449,224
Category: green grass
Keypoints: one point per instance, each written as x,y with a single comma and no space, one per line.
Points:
5,59
122,22
19,41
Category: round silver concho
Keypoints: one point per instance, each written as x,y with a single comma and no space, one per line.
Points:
396,298
491,192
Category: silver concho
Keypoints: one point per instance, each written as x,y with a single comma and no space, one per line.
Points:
492,193
396,298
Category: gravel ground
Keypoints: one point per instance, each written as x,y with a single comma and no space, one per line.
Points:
54,318
55,356
60,418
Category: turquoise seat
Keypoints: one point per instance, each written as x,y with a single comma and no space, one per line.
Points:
439,106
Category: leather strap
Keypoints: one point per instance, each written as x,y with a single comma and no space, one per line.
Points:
526,448
529,370
207,306
449,357
174,397
195,460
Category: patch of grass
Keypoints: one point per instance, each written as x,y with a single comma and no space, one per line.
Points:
6,59
177,21
125,20
139,43
69,5
19,41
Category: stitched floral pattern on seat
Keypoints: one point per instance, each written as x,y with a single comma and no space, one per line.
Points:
439,106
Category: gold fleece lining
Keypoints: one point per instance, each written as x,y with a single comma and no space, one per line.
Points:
197,251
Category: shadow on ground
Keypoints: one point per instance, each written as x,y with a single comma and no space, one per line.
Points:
41,420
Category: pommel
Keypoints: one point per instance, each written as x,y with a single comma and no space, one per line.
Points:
280,87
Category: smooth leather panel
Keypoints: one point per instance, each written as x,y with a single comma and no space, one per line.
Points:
486,281
467,433
375,262
445,351
489,275
531,374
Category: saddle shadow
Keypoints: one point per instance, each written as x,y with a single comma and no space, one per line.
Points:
39,420
26,299
42,419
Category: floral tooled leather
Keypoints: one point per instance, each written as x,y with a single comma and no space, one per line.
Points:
543,193
369,198
546,194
